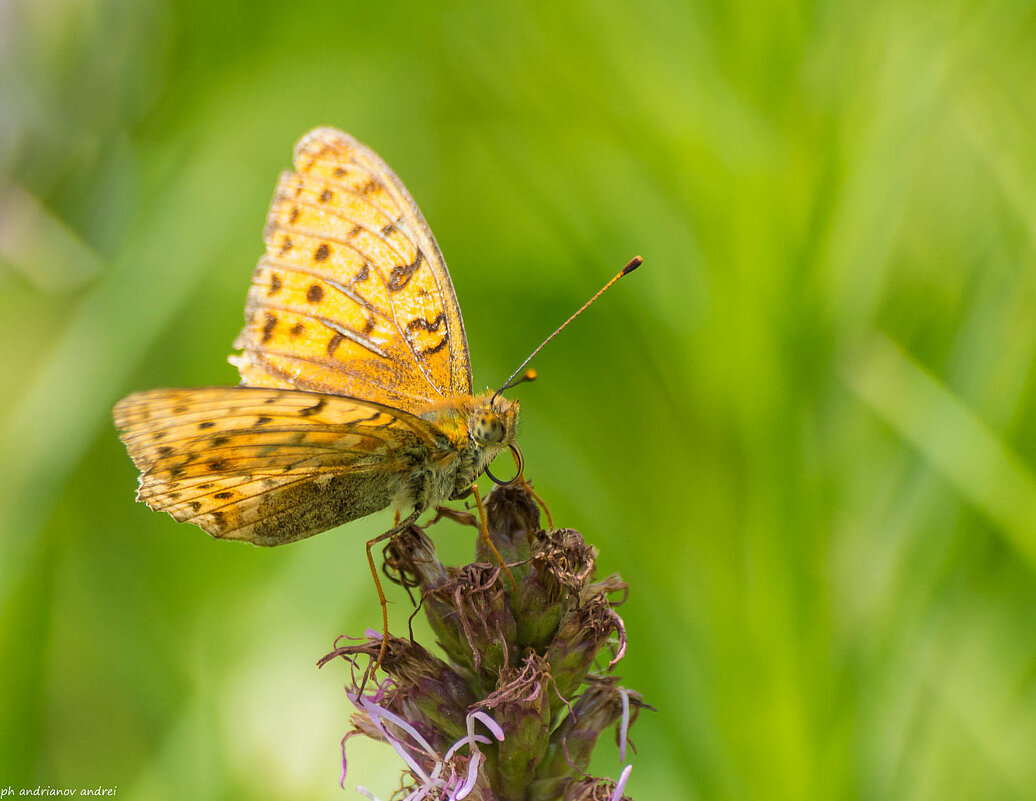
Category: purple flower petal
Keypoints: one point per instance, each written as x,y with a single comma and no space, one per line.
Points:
624,724
396,719
341,780
620,785
489,723
469,782
479,738
397,745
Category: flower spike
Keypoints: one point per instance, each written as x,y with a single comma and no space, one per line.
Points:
518,701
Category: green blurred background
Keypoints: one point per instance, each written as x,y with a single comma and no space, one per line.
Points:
804,430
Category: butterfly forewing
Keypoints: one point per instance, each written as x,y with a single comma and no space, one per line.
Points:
352,296
266,465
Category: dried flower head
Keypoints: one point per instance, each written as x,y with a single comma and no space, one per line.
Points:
517,705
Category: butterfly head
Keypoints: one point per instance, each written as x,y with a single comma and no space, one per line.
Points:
493,425
494,422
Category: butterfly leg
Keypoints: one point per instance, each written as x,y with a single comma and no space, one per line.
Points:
484,529
398,527
540,501
519,463
456,515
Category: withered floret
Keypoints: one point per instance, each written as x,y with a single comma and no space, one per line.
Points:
514,710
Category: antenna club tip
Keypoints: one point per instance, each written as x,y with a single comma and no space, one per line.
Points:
634,263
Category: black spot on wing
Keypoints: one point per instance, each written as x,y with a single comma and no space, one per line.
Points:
419,323
268,325
402,273
315,409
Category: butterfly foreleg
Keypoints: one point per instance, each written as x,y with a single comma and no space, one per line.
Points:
540,501
396,529
456,515
484,530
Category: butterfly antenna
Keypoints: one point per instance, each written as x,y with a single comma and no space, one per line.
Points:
632,265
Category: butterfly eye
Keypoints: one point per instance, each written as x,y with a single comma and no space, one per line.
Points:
488,429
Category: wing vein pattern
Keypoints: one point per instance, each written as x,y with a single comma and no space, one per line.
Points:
352,297
270,465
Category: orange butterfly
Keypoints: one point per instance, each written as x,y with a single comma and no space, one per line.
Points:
357,383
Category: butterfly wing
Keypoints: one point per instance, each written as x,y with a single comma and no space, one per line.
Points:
269,466
352,296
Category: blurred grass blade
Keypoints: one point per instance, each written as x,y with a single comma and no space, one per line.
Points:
39,246
985,471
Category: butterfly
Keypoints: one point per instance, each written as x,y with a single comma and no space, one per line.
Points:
356,391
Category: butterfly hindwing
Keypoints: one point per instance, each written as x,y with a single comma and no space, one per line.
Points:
353,296
269,466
